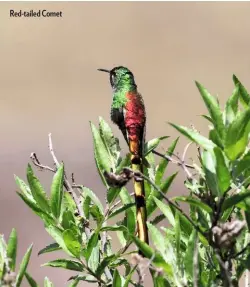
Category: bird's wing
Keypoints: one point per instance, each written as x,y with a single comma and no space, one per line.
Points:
118,117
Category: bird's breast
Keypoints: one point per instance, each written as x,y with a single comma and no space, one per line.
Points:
135,110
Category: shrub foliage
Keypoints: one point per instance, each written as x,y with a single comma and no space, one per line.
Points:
206,246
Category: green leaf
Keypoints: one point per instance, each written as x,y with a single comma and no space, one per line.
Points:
111,143
232,106
72,243
157,219
214,137
2,256
37,190
151,206
122,236
128,277
120,209
130,212
189,255
209,164
225,216
237,135
87,278
57,235
242,165
195,202
235,199
35,208
208,118
114,228
30,280
96,214
86,204
156,258
185,225
24,188
74,283
177,237
164,163
166,210
47,282
12,248
102,157
23,267
157,238
214,110
68,219
245,97
117,281
66,264
161,282
50,248
153,144
195,137
104,263
68,202
112,194
93,241
94,198
247,216
125,162
222,172
57,191
93,260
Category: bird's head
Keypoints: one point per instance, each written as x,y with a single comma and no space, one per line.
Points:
119,77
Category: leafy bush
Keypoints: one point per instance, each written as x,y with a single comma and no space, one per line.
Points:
206,246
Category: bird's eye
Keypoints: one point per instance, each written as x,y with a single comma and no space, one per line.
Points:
112,78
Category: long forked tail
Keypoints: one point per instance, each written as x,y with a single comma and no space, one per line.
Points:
141,212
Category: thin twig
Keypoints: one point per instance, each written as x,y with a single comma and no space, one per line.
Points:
240,252
118,202
179,161
37,163
185,151
52,152
169,158
69,187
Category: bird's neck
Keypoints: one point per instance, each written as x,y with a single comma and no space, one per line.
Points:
120,95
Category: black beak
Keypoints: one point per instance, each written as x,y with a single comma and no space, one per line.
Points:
104,70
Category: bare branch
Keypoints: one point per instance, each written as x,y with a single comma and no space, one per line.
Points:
66,183
52,151
189,175
179,161
169,158
37,163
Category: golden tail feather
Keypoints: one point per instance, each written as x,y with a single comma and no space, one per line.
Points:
141,212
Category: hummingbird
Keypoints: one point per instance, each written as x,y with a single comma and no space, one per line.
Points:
128,113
